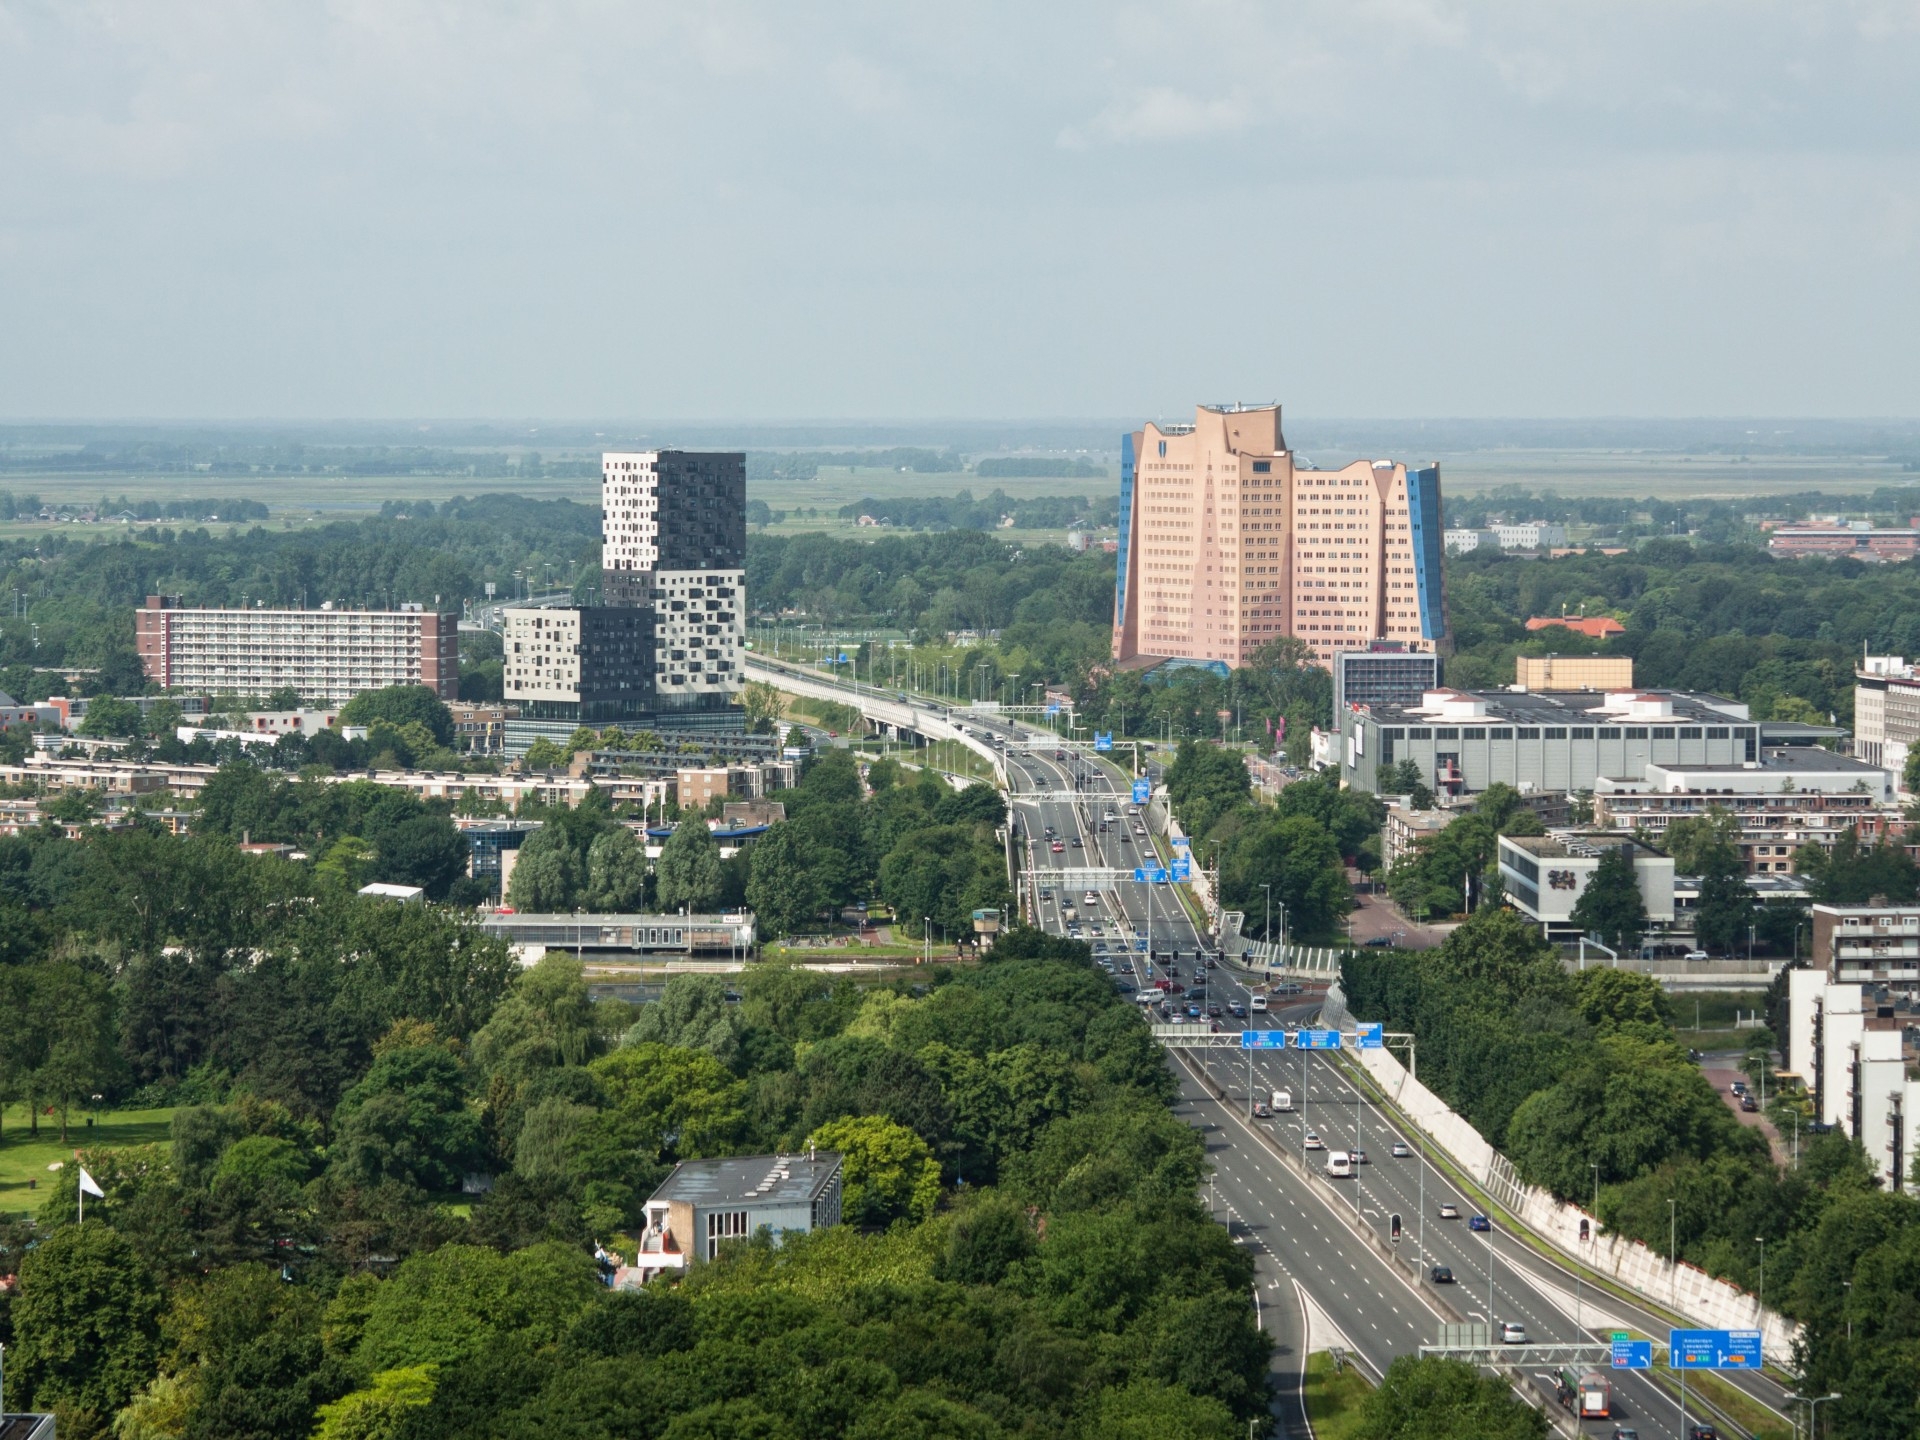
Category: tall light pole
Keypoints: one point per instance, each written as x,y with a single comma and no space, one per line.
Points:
1266,930
1813,1402
1761,1241
1673,1249
1596,1191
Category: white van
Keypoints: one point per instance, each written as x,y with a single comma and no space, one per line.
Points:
1339,1165
1258,1004
1283,1102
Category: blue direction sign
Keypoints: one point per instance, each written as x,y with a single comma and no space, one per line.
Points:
1183,869
1152,874
1103,740
1263,1039
1633,1354
1713,1349
1319,1040
1053,709
1180,842
1142,791
1371,1037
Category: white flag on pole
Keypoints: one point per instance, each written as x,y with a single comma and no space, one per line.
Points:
90,1186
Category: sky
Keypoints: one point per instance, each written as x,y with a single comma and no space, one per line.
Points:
616,208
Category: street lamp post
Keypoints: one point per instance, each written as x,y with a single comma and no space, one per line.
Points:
1266,930
1813,1402
1673,1249
1761,1241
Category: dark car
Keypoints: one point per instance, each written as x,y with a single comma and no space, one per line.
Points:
1479,1222
1380,942
1237,1010
1214,1011
1702,1432
1749,1104
1441,1275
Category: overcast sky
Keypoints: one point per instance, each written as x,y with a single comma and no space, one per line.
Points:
386,208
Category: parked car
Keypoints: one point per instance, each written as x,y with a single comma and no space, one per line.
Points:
1449,1211
1479,1222
1441,1275
1400,1150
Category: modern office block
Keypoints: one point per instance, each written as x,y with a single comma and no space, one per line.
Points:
1388,672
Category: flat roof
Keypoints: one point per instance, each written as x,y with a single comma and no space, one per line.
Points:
755,1179
1567,844
1563,707
1779,759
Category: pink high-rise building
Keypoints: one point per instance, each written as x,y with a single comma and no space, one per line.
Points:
1225,543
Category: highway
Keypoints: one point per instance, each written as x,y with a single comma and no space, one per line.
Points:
1313,1268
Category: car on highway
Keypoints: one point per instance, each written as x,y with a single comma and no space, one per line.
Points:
1077,843
1694,955
1058,848
1174,987
1702,1432
1400,1150
1624,1432
1046,892
1258,1004
1260,1110
1449,1211
1313,1141
1513,1333
1237,1010
1214,1011
1479,1222
1441,1275
1360,1157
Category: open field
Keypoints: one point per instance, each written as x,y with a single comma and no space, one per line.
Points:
23,1159
305,500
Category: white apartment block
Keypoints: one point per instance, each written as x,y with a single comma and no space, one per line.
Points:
327,656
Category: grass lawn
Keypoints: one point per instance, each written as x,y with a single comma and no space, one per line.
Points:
1333,1401
23,1158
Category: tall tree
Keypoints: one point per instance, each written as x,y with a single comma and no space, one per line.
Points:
1726,904
86,1323
616,873
688,871
1611,905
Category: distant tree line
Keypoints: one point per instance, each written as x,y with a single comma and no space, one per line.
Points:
963,512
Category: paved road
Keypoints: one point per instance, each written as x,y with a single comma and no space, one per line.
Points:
1310,1261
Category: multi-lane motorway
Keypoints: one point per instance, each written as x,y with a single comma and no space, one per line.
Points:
1316,1271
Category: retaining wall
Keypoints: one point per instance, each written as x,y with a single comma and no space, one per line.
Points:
1704,1301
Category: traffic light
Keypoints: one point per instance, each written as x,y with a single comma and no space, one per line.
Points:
1586,1231
1396,1229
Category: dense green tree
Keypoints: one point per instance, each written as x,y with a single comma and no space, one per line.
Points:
783,888
401,705
407,1120
1428,1398
85,1322
1726,904
887,1171
1611,905
616,873
693,1013
1690,839
687,875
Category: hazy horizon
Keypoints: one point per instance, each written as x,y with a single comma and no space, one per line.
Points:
1376,210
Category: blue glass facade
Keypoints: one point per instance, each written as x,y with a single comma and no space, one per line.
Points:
1126,531
1429,540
